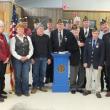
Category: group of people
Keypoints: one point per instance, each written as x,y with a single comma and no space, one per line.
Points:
91,55
89,59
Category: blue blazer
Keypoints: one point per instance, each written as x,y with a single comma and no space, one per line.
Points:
98,53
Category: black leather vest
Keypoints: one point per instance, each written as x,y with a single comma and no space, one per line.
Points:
22,48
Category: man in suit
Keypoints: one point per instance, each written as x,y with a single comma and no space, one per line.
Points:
93,62
106,39
59,37
85,32
104,29
68,25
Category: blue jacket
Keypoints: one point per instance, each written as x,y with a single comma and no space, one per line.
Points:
94,56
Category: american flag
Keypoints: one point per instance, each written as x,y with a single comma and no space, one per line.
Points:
12,34
14,22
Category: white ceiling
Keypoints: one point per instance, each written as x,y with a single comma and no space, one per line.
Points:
39,3
92,5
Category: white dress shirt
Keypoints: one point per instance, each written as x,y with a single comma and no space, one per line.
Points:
101,33
86,30
47,32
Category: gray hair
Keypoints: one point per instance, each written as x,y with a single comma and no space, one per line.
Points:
39,25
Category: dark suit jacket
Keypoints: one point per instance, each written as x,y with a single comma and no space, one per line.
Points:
82,33
73,48
98,55
55,41
82,38
106,39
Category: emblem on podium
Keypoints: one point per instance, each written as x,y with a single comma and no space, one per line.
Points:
61,68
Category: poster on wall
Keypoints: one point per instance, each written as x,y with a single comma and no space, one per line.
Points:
92,24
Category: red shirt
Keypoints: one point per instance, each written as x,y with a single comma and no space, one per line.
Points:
27,32
4,48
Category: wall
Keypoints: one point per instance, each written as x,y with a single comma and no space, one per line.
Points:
92,15
94,9
6,13
53,13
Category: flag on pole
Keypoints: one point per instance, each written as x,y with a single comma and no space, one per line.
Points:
14,22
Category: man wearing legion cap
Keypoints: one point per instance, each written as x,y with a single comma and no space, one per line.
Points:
104,28
59,37
106,39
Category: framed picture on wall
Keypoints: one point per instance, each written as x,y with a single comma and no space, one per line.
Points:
67,21
92,24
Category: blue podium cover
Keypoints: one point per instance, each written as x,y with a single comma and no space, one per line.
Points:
61,63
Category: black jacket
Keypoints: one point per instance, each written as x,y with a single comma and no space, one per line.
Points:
55,41
82,38
82,33
73,48
41,45
106,39
98,53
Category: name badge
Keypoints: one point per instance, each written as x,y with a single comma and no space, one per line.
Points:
65,38
89,42
97,46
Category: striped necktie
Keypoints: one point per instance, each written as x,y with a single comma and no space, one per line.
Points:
86,33
94,44
60,38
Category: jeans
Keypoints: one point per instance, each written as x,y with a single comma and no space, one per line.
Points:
38,72
21,70
2,75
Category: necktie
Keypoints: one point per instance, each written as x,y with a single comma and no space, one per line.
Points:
85,33
60,38
94,43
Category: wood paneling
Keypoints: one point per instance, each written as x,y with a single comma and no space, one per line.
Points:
6,13
1,15
5,9
52,13
92,15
